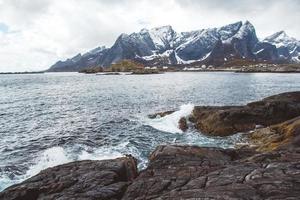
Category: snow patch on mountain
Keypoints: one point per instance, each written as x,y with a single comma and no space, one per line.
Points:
187,62
155,55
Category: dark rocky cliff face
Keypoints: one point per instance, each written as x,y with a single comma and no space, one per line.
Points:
163,46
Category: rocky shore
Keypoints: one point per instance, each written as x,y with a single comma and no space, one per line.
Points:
228,120
267,166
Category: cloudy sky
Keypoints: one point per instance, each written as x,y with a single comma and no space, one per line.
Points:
36,33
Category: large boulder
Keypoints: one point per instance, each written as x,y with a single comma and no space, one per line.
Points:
84,180
228,120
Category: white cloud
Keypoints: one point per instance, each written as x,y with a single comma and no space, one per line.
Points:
40,32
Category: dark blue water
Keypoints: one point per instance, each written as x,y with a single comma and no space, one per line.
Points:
50,119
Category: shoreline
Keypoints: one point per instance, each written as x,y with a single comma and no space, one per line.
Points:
202,71
183,171
13,73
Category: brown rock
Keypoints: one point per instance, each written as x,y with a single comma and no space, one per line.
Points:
171,168
183,124
107,179
160,114
275,136
174,172
228,120
185,172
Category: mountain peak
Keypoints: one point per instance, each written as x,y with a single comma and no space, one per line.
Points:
165,28
247,22
229,30
280,36
162,30
144,30
123,35
162,36
247,29
282,33
282,40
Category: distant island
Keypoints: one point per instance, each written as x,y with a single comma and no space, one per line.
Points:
39,72
231,46
122,66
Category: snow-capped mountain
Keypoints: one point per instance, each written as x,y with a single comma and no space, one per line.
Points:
288,47
164,46
78,62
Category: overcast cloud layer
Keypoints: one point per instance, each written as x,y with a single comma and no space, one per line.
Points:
36,33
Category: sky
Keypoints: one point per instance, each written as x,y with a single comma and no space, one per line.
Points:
34,34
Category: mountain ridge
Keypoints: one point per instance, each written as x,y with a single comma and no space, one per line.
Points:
214,46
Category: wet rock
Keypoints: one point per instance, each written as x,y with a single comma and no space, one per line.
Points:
228,120
160,114
183,124
107,179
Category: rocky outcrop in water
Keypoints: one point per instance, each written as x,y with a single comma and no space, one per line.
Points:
267,168
228,120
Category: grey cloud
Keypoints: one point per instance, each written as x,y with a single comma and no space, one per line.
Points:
58,29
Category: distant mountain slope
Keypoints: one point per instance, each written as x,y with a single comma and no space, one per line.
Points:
288,47
163,46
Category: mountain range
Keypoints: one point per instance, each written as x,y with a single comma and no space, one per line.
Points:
214,46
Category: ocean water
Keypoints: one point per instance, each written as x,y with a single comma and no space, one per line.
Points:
54,118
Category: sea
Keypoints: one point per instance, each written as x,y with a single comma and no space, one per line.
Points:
54,118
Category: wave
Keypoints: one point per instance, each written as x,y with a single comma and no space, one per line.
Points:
49,158
58,155
169,123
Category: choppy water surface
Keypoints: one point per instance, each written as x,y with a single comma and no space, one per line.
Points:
50,119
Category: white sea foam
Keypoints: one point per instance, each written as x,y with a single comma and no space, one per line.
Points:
104,153
169,123
57,155
49,158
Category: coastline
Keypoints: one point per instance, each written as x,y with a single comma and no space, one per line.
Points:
13,73
162,72
254,168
